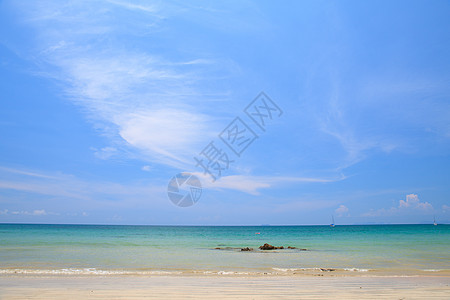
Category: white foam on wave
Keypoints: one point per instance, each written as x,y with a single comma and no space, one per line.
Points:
225,273
94,271
232,273
318,269
356,270
222,273
84,271
285,269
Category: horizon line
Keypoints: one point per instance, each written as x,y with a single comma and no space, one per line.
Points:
221,225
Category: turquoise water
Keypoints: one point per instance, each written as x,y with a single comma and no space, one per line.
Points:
186,249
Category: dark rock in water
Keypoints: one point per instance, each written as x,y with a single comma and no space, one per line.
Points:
269,247
327,270
266,247
247,249
301,249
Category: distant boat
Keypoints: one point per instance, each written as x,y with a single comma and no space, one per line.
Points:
332,221
434,221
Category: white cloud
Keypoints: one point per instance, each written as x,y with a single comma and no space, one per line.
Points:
165,133
411,204
36,212
412,201
4,212
445,208
146,168
341,210
39,212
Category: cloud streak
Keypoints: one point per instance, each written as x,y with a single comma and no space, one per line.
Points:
68,187
253,184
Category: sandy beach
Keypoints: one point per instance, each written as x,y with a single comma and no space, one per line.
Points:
223,287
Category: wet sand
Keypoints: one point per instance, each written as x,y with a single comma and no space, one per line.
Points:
224,287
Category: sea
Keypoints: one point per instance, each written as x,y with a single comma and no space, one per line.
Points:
403,250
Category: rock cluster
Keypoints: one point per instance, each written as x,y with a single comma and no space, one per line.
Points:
263,247
269,247
301,249
247,249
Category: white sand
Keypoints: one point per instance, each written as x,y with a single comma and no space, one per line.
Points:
223,287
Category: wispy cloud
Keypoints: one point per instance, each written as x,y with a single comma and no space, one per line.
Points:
138,98
105,152
253,184
131,6
26,173
68,187
337,121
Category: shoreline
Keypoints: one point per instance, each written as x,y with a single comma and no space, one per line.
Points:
223,287
273,272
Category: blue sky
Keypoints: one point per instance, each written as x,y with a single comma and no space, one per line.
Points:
103,102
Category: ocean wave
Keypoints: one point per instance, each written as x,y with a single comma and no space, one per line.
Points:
102,272
84,271
285,269
356,270
223,273
320,269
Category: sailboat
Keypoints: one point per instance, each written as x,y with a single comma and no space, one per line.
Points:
332,221
434,221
